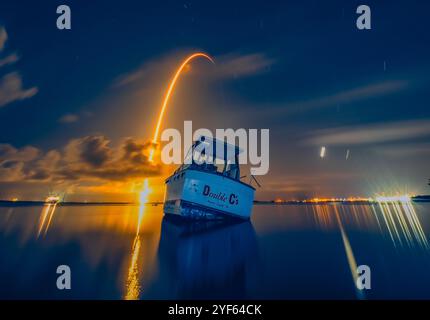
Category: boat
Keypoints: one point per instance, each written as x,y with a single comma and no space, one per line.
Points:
201,188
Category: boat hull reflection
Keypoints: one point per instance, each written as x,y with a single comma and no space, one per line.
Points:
208,259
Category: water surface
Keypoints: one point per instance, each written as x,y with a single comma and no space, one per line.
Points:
285,252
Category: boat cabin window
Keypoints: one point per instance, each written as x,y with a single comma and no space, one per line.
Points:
197,158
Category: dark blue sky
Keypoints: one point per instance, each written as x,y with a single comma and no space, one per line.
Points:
320,81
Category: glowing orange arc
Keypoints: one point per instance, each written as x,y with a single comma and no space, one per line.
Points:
170,90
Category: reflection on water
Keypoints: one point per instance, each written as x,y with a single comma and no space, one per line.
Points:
329,216
133,286
349,253
212,259
398,220
45,218
291,251
402,223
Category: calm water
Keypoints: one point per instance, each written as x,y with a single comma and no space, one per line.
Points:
293,252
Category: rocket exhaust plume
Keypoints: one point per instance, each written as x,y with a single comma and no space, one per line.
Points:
169,93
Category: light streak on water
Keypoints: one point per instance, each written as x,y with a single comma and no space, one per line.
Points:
329,216
402,222
46,218
375,214
350,256
144,195
393,216
133,286
51,215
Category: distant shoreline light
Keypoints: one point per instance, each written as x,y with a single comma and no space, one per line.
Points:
401,198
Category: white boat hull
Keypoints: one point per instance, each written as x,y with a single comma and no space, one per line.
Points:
200,194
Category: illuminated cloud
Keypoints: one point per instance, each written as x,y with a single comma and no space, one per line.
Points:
12,58
345,96
91,150
372,133
404,150
69,118
75,117
236,65
24,154
301,186
3,37
226,66
87,159
11,89
12,161
149,71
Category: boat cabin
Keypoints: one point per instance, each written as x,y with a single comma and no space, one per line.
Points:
213,156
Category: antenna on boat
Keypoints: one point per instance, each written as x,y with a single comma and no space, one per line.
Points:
255,179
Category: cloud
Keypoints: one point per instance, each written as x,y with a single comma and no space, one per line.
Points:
131,77
3,37
12,58
69,118
346,96
141,91
146,72
92,158
8,152
241,65
307,184
11,89
226,66
405,150
41,168
132,151
372,133
91,150
87,159
12,161
75,117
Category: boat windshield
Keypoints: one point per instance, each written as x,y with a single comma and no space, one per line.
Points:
216,156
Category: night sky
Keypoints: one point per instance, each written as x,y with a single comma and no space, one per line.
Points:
78,107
